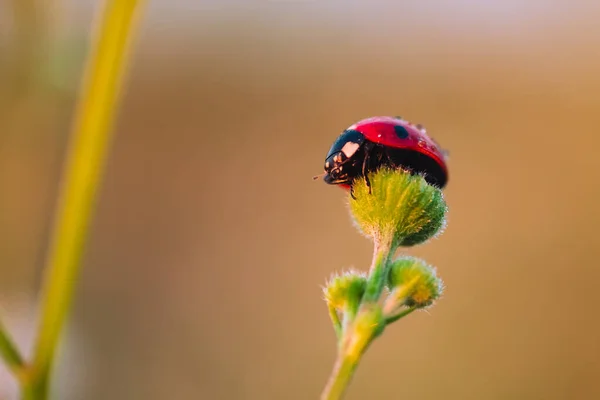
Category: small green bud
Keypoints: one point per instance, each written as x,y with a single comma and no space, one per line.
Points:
345,291
413,283
399,204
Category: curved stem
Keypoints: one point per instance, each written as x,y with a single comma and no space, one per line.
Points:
401,314
91,137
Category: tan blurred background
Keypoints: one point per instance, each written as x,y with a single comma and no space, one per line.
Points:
202,274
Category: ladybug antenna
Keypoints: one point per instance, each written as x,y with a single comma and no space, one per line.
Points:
319,176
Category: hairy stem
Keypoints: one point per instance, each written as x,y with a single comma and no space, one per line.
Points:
378,273
355,341
92,132
362,326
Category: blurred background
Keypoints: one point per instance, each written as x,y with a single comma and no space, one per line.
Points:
210,242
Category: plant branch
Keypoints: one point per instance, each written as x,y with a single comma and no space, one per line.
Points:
10,353
396,209
378,273
401,314
91,137
335,320
355,340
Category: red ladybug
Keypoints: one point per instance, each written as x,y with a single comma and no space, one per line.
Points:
384,141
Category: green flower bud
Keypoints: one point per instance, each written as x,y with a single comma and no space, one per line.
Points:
399,204
413,283
344,292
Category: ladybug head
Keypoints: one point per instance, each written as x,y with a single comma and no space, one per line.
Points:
344,158
336,169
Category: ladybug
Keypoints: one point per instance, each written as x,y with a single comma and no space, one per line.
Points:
384,141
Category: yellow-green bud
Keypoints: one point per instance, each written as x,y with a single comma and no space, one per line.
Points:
399,204
344,292
413,283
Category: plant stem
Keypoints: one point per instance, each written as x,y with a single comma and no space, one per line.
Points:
356,338
91,137
362,326
35,389
353,345
10,353
335,320
401,314
357,333
340,378
378,273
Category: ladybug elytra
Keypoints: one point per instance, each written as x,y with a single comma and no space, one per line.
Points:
384,141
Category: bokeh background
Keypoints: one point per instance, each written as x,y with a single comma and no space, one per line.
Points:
210,242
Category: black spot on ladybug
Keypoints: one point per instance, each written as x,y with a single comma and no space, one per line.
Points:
401,131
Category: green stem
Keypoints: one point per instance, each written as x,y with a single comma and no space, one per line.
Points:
35,389
378,273
357,336
10,353
396,317
335,320
340,378
91,137
353,345
357,333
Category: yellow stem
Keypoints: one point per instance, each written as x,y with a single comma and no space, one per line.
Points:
357,337
90,140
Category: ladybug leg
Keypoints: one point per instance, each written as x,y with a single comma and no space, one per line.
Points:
364,166
368,182
389,158
352,193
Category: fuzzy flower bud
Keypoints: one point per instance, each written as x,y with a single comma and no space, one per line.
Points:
399,204
344,292
413,283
